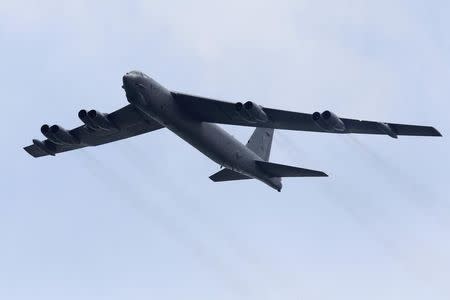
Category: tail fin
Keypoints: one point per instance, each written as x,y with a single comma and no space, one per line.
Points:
276,170
261,142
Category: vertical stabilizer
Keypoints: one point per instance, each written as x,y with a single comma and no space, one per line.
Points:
261,142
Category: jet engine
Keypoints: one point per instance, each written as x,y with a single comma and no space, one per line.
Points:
251,112
58,135
328,121
83,115
63,135
45,129
95,120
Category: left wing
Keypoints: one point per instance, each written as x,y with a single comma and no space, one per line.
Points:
98,129
228,175
250,114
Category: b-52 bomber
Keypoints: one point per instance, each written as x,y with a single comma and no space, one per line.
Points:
152,107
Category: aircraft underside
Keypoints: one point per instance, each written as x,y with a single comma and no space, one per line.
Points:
194,119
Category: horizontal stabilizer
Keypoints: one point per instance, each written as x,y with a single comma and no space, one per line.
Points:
277,170
228,175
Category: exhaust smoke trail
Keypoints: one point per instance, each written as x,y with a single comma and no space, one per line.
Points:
141,162
290,144
389,169
402,181
331,191
129,195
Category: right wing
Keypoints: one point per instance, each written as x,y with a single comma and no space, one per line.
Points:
100,129
216,111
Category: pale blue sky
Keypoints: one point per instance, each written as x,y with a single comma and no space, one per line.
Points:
139,219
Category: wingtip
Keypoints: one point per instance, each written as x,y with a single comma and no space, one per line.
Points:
438,134
29,150
38,149
433,132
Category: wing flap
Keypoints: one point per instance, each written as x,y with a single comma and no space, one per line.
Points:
414,130
35,151
370,127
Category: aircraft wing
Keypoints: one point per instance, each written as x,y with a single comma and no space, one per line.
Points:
215,111
98,129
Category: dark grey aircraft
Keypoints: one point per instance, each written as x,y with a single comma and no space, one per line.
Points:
192,118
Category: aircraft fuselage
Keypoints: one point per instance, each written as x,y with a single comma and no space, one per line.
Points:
156,102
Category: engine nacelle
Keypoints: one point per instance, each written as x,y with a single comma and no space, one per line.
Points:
251,112
58,135
83,115
96,120
45,129
328,121
63,135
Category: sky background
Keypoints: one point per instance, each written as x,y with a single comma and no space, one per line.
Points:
140,219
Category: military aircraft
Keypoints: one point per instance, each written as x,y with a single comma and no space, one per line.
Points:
152,107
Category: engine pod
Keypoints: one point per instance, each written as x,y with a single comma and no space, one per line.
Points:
256,112
329,121
100,120
63,135
251,112
83,115
45,130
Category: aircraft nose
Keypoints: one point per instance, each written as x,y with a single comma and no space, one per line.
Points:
126,79
133,78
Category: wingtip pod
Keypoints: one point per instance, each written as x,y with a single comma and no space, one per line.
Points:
387,129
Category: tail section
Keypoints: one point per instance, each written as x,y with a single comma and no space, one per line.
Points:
277,170
261,142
